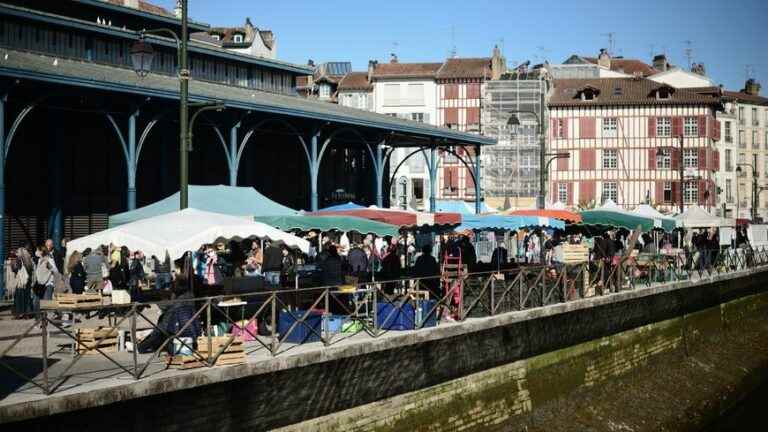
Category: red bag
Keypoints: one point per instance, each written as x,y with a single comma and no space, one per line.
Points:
247,330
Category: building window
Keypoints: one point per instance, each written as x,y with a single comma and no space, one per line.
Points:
419,117
663,93
610,191
664,159
691,127
765,167
667,192
215,37
610,127
690,158
765,142
728,136
742,142
728,160
562,192
238,38
729,190
755,118
741,115
755,140
610,159
663,127
691,195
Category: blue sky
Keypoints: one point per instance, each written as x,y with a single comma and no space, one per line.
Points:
725,35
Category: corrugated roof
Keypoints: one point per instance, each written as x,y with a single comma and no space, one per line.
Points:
25,65
465,68
632,91
405,70
355,81
146,7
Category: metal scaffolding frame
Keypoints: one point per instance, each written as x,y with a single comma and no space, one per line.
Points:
512,111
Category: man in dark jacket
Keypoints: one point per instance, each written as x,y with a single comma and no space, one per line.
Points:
273,264
331,267
426,267
358,262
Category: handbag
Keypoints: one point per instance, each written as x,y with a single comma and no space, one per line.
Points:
107,290
247,330
104,271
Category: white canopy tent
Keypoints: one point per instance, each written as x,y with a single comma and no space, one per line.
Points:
696,217
647,211
184,231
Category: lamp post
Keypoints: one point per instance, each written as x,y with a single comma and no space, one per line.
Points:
755,190
141,57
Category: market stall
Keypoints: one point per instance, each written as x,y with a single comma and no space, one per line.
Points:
696,217
401,218
346,206
564,215
329,223
507,223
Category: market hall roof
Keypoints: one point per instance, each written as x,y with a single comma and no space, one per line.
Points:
25,65
622,92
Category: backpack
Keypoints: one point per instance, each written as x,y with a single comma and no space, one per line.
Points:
22,277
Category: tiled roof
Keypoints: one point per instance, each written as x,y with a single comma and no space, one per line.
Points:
302,81
632,91
628,66
405,70
146,7
743,97
355,81
63,71
465,68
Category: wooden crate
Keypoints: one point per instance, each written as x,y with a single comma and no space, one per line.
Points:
77,300
104,338
184,362
234,353
575,254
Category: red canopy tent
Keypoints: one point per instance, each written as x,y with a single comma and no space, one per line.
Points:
564,215
400,218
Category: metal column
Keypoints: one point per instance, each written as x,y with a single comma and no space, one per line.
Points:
379,168
232,162
432,179
183,112
2,196
478,206
131,163
313,170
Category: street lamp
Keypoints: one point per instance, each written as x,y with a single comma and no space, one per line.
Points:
755,190
141,57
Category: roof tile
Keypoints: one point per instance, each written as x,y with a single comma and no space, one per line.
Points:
633,91
465,68
406,70
355,81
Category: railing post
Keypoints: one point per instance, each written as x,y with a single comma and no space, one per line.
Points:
375,310
44,330
135,343
208,331
493,294
273,342
326,316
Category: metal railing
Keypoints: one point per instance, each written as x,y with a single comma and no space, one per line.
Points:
370,309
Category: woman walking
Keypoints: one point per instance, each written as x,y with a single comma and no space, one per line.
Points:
76,272
24,268
45,273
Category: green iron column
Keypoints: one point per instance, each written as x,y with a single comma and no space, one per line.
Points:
183,111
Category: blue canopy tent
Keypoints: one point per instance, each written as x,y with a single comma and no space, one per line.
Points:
507,223
229,200
341,207
461,207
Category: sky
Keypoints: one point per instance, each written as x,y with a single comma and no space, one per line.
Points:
729,36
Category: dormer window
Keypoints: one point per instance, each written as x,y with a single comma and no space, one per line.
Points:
215,37
664,93
238,38
588,93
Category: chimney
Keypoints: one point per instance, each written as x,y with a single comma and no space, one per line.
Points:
604,59
177,9
371,68
393,58
498,64
131,3
698,68
752,87
311,63
660,63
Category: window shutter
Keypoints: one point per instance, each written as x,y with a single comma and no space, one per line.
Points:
588,189
587,159
675,156
702,158
675,192
651,127
587,127
702,126
565,128
469,183
553,196
659,195
569,191
677,126
712,193
651,158
702,191
562,164
715,161
553,128
716,132
451,116
473,115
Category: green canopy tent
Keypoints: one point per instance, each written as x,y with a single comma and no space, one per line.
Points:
608,218
327,223
229,200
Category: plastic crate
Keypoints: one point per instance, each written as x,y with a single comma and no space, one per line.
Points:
333,324
301,333
406,317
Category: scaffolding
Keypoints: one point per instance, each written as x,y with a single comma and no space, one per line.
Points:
512,108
